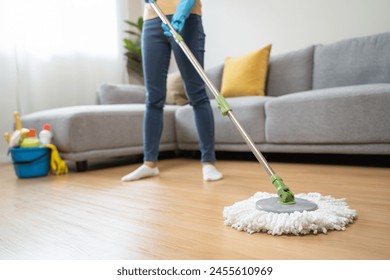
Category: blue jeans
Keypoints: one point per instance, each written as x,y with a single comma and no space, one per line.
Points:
156,50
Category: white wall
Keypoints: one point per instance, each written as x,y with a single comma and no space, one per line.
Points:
236,27
136,9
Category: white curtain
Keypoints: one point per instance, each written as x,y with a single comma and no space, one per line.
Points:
55,53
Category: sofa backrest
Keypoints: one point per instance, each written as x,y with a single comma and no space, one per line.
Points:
290,72
287,73
214,74
362,60
120,94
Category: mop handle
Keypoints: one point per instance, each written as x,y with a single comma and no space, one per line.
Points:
226,110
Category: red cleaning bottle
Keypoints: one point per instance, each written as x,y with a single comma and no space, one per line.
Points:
45,134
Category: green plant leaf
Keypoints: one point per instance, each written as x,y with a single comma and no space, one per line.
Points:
132,46
133,33
140,23
131,23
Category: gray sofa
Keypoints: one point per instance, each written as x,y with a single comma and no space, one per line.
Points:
332,98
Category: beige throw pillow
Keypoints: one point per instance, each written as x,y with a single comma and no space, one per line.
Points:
175,90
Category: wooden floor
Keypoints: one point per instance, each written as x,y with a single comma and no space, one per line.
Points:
93,215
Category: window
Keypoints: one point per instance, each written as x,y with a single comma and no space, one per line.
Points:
57,27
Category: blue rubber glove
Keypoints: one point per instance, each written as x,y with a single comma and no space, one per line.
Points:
183,10
149,1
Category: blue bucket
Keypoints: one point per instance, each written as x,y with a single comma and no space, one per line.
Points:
31,162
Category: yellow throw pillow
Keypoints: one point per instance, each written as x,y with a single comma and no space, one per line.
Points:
246,75
175,90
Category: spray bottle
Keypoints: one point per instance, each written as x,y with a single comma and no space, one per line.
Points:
45,135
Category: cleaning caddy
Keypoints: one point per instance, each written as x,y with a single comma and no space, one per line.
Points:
33,156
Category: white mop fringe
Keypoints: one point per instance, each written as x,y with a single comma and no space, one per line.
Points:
332,214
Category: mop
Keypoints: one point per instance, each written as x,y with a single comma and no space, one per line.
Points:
276,214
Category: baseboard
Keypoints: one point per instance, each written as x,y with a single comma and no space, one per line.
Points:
312,158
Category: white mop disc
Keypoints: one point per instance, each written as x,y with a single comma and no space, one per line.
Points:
332,214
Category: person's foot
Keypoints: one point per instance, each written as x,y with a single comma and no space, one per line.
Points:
211,173
141,172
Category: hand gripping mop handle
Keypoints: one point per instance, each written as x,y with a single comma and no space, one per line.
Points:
285,195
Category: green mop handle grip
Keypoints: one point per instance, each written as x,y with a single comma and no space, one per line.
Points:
285,194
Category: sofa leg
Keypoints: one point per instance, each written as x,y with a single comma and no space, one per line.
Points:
81,166
195,154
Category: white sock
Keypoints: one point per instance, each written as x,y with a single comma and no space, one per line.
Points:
210,173
141,172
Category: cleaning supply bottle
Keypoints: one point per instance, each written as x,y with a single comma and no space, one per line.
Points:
31,141
45,135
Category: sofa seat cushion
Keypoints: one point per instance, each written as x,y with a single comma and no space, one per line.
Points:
249,111
99,127
344,115
356,61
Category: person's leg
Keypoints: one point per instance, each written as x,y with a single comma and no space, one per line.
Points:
156,52
194,37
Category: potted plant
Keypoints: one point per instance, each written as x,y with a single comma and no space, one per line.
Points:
133,52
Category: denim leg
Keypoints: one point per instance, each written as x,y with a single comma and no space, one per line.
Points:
156,51
194,37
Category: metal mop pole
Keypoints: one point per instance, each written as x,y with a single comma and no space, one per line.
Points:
284,192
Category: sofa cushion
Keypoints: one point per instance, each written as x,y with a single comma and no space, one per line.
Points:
248,110
246,75
95,128
214,74
121,94
355,114
290,72
176,94
363,60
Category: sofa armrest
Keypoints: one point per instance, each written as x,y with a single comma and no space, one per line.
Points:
121,94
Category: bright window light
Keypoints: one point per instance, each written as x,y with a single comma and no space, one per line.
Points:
60,27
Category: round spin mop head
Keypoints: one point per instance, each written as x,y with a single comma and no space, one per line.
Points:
332,214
